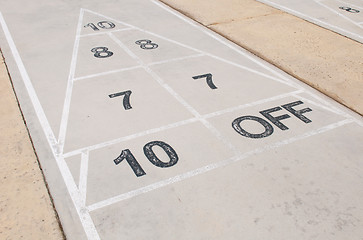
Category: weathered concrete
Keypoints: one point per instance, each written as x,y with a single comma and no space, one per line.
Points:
26,211
321,58
186,136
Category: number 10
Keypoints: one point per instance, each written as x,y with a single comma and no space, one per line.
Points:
149,153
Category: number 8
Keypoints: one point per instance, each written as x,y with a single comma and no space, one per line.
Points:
100,51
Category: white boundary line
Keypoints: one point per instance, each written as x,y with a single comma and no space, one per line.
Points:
83,176
84,215
136,67
246,105
130,137
107,73
313,20
103,33
68,96
212,166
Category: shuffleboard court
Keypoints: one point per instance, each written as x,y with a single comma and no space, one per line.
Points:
150,126
341,16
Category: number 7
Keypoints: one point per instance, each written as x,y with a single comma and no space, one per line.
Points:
209,80
126,101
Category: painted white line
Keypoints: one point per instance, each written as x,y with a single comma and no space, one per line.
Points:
312,19
209,54
320,99
176,59
338,13
107,73
130,137
246,105
289,83
82,212
317,104
210,167
218,38
68,96
83,176
102,33
29,87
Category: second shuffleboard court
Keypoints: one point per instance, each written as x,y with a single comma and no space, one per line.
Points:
341,16
161,129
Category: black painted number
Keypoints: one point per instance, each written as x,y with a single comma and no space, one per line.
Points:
146,44
101,52
102,24
150,155
126,101
135,166
209,79
348,9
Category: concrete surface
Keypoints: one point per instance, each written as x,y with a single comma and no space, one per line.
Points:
26,211
154,127
323,59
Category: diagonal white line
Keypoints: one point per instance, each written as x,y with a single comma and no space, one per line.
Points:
232,109
130,137
102,33
212,166
68,96
107,73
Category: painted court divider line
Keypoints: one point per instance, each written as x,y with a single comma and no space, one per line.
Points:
84,216
106,73
103,33
83,175
130,137
213,166
69,90
136,67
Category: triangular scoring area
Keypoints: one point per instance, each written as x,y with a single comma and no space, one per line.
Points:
97,53
96,24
